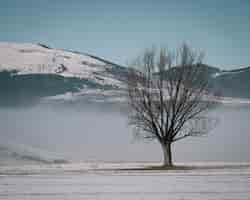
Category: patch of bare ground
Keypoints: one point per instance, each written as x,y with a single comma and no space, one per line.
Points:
182,167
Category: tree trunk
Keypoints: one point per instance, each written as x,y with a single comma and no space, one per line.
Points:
167,153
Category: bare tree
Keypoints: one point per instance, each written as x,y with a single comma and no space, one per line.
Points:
169,97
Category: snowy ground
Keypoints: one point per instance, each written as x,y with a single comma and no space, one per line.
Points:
83,181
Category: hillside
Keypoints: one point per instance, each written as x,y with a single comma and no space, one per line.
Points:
229,83
233,83
34,72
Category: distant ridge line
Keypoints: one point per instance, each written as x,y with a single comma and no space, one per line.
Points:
85,54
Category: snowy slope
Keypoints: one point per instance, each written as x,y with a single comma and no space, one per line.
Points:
16,153
35,71
38,59
230,72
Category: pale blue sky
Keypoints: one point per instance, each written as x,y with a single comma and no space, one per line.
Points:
120,30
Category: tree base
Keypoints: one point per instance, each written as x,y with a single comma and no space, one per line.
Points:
158,168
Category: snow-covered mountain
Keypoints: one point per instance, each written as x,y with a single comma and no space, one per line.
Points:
228,83
232,83
45,72
39,59
38,72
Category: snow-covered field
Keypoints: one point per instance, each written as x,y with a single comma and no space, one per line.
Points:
83,181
